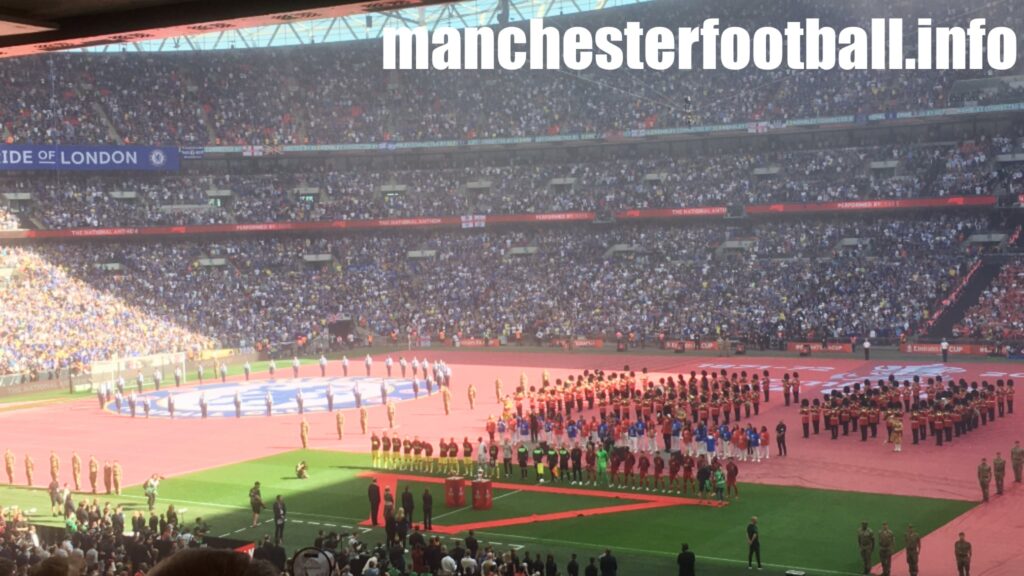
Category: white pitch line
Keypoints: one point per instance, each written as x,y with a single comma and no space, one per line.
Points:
456,511
234,507
567,542
666,554
265,522
513,493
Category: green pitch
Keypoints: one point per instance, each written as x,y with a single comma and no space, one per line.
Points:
800,527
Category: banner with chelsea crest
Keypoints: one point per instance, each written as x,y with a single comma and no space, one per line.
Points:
85,158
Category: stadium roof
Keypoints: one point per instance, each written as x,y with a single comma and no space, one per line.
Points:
364,26
43,26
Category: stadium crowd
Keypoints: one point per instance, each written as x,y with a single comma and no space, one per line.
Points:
98,539
793,281
67,305
999,313
311,95
54,321
104,540
625,180
8,220
414,551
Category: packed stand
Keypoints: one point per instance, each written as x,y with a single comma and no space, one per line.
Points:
53,320
43,102
8,220
1011,174
618,182
478,284
68,201
95,539
310,95
999,313
148,100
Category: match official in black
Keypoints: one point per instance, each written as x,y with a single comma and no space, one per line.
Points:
373,492
780,437
428,510
687,562
753,543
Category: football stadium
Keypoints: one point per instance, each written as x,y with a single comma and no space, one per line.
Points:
270,306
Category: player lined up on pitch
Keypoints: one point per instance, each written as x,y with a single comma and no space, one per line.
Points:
621,449
704,474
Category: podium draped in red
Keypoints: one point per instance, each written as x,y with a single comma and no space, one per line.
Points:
483,495
455,492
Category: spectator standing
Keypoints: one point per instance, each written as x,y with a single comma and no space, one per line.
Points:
609,565
573,567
